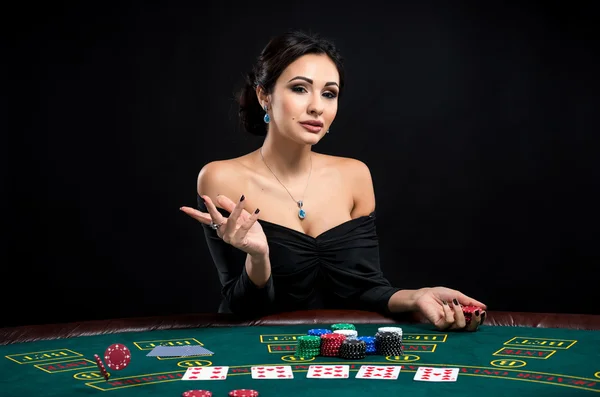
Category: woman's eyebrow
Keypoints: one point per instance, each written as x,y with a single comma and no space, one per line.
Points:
311,81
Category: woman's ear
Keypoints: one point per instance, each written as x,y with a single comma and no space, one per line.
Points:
263,98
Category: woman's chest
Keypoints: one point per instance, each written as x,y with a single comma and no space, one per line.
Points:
324,205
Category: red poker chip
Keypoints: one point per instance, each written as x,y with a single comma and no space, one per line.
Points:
117,356
243,393
197,393
333,336
101,367
469,309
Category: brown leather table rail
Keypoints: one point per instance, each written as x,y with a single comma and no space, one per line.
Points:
32,333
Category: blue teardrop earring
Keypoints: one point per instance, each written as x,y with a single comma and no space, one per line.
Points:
267,118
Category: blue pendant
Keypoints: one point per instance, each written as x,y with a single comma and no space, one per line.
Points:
267,119
301,213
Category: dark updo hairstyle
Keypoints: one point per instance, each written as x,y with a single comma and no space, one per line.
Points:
274,58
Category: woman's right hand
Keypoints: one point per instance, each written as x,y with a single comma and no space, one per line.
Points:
241,229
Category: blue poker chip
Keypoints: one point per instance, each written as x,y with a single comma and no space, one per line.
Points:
319,331
370,342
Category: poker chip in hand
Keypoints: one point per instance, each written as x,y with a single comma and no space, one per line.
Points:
469,311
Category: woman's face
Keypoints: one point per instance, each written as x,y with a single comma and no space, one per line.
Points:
304,101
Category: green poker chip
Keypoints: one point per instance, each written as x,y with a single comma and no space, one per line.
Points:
308,346
340,326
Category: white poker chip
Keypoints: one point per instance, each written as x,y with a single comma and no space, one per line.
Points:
347,332
396,330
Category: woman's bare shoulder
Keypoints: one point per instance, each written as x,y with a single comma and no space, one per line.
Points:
223,176
356,175
349,166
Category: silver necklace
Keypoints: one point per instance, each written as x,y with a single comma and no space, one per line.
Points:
301,212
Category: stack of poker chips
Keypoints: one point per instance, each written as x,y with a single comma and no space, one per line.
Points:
100,365
396,330
353,349
309,346
331,343
468,311
350,333
339,326
319,331
369,343
389,343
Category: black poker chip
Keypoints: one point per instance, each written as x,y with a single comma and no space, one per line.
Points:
389,344
353,349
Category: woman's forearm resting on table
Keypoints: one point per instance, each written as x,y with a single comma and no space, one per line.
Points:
403,301
258,269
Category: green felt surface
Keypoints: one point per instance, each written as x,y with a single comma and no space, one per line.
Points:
502,361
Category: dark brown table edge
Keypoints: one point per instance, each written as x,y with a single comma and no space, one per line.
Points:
31,333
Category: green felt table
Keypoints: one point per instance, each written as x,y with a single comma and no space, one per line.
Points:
496,360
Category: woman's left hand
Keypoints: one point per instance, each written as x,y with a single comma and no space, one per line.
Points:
443,308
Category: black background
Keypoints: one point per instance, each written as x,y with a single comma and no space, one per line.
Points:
478,122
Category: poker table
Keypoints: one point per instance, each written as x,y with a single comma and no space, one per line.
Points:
512,354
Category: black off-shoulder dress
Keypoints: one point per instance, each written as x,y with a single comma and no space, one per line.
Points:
339,269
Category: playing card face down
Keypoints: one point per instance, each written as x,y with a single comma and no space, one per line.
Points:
272,372
430,374
389,372
206,373
179,351
328,372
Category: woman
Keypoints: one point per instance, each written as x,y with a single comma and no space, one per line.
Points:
315,245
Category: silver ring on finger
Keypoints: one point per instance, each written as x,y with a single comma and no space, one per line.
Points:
215,226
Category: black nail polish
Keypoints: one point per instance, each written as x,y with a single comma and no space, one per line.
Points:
242,198
257,211
476,312
445,303
455,301
482,318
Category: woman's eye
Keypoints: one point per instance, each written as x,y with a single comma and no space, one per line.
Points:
302,89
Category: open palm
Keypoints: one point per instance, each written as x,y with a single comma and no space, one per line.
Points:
240,229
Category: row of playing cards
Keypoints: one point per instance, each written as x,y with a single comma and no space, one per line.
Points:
426,374
220,373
